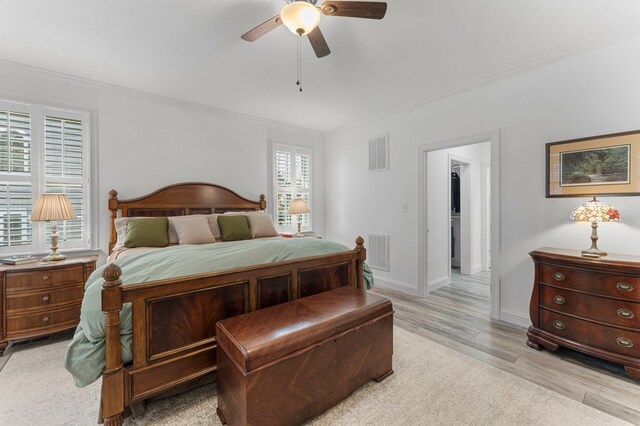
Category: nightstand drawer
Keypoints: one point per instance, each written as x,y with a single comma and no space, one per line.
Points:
614,339
52,319
21,281
592,282
42,299
562,300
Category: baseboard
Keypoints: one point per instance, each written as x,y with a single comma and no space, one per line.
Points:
396,285
515,318
439,283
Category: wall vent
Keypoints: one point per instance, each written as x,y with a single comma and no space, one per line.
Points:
379,153
378,251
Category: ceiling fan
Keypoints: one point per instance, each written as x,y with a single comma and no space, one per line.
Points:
302,17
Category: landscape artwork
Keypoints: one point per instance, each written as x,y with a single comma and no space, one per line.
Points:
600,165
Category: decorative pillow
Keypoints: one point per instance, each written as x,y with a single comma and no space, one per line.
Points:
234,227
121,231
215,228
262,226
192,229
147,232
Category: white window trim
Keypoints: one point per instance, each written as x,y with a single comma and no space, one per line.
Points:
38,112
273,204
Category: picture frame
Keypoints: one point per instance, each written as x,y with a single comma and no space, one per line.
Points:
597,165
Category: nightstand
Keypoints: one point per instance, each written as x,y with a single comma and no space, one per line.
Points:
41,298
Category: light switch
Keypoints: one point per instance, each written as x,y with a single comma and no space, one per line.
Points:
405,207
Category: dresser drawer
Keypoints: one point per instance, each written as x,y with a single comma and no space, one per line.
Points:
21,281
615,340
597,308
25,323
564,326
45,298
592,282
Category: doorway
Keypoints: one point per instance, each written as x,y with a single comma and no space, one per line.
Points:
459,217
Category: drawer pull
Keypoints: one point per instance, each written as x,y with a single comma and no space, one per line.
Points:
626,287
624,342
559,299
45,319
559,325
46,298
559,276
625,313
46,277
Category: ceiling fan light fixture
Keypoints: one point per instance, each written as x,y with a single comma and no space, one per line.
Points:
300,17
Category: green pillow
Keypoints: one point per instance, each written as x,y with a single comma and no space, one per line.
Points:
148,232
234,228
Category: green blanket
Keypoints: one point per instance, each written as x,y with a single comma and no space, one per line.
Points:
86,353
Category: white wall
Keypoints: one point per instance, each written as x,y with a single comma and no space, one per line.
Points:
438,208
591,94
145,141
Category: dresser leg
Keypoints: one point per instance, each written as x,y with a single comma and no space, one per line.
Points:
535,346
633,372
3,346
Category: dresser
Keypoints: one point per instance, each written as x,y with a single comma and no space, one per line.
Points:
41,298
589,305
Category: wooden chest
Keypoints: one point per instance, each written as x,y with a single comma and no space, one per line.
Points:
285,364
41,298
589,305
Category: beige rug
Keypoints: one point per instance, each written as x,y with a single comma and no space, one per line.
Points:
433,385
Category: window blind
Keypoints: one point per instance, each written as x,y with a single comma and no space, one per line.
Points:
15,142
15,208
64,171
42,150
292,178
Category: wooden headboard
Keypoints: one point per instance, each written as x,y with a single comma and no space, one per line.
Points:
179,200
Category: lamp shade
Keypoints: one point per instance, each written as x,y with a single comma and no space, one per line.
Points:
300,17
595,211
52,207
298,206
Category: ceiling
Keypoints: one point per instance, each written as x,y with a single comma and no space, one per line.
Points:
191,49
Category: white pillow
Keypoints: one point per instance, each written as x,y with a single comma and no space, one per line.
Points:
193,229
262,226
121,231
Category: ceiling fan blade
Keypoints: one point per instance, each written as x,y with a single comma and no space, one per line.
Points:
318,43
262,29
354,9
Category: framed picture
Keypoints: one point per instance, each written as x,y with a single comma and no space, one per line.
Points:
599,165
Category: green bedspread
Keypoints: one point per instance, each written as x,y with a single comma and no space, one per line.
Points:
86,353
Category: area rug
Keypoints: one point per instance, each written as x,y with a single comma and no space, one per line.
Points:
432,385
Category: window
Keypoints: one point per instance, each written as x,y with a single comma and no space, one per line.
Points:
291,179
42,150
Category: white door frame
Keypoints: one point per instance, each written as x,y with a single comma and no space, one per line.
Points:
494,138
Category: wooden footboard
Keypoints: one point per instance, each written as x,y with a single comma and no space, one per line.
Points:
174,320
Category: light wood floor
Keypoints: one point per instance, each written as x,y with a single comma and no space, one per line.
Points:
458,317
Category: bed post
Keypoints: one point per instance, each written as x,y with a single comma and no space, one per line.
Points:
263,202
113,213
362,256
113,376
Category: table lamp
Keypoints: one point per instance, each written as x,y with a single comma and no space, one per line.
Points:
52,208
595,211
299,207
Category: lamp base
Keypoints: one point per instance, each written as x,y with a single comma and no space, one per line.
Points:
593,252
54,257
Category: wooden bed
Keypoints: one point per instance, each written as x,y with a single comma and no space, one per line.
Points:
174,320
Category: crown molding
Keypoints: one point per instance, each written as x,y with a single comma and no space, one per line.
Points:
521,68
64,78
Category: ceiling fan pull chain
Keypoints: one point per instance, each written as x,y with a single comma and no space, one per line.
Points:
299,64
